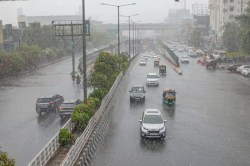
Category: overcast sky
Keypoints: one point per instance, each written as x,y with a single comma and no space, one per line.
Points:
149,10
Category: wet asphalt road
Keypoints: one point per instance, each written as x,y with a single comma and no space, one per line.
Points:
22,132
210,125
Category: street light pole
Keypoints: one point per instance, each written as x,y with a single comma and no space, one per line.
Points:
129,31
133,39
118,6
84,81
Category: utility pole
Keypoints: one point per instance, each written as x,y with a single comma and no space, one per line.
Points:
118,8
84,81
129,21
73,50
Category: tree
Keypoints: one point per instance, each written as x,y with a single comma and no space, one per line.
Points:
42,36
5,160
244,21
231,36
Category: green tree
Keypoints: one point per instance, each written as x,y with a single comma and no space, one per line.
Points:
41,36
65,137
244,21
231,36
5,160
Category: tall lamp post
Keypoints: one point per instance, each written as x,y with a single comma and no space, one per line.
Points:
84,81
118,8
134,36
129,31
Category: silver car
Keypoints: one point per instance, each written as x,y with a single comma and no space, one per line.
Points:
137,93
152,124
67,107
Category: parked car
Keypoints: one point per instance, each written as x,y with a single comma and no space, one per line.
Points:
246,72
242,67
67,107
142,62
137,93
152,124
184,59
48,103
152,79
232,68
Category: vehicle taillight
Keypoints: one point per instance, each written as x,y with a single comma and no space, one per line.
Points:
60,107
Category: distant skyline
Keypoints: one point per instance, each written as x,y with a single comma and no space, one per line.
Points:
149,10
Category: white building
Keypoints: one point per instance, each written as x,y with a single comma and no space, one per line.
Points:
224,11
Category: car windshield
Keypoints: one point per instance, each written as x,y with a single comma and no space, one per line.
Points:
43,100
152,119
137,89
68,105
152,76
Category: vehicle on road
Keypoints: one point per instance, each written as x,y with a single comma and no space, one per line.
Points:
156,61
144,57
246,72
142,62
242,67
78,79
180,50
233,68
48,103
211,64
137,93
152,124
184,59
67,107
193,54
169,97
152,79
162,70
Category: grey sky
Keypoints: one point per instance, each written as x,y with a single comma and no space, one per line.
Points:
149,10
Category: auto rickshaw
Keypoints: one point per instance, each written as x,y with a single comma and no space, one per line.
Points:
169,97
162,70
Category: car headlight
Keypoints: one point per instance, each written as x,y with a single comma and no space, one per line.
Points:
144,128
162,128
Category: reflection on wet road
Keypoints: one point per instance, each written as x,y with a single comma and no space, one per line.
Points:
22,132
209,125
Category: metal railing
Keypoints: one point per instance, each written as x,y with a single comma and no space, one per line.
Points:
76,149
50,148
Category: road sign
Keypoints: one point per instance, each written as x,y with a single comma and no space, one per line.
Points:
65,28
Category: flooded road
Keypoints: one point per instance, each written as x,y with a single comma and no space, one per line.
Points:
209,126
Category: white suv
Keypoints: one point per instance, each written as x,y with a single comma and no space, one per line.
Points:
152,79
152,124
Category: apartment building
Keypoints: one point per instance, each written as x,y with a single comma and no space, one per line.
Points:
223,11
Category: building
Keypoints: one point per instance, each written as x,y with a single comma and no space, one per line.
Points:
224,11
176,16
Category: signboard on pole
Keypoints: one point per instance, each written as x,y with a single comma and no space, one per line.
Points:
64,28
